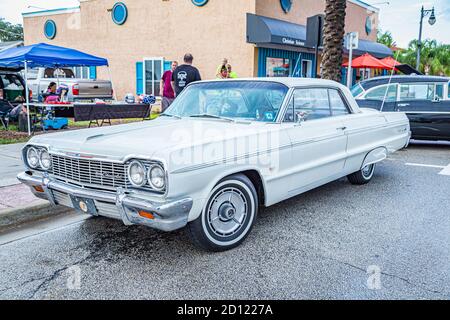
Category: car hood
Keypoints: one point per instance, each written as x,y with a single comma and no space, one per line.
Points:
157,139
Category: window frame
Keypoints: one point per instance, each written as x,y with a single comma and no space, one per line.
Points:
427,83
144,76
310,64
368,91
290,99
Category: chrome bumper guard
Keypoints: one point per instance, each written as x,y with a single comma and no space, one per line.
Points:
168,215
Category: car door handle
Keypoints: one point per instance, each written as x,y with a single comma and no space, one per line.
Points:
403,104
341,128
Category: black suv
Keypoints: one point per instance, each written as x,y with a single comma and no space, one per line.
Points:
425,100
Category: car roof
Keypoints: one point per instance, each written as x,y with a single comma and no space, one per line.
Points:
287,81
370,83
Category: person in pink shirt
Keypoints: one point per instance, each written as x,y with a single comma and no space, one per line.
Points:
166,91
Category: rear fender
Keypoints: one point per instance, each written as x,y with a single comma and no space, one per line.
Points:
374,156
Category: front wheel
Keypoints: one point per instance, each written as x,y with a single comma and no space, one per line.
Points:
228,216
362,176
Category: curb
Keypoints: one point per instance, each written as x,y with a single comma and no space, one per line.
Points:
11,218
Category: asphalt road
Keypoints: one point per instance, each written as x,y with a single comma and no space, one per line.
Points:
389,239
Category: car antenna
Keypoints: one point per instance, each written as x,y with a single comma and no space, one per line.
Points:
389,82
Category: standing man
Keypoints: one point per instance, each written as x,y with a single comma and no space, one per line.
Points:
166,91
184,74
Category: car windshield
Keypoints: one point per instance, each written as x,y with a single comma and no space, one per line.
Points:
356,90
249,100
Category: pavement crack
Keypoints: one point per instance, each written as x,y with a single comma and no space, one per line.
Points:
46,281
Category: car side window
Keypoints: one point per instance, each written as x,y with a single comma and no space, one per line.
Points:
379,93
419,91
439,91
338,106
313,103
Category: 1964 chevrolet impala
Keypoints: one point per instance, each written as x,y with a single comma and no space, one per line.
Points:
221,150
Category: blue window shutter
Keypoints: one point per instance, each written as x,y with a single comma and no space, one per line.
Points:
93,72
167,65
344,75
139,78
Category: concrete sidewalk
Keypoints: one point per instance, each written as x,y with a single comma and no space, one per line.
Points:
18,205
10,163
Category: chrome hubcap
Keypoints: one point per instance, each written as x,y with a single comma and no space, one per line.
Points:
227,212
367,170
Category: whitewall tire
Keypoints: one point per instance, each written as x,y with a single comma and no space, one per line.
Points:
362,176
228,216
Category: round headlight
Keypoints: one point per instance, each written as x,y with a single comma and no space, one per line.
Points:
157,177
33,157
136,174
45,160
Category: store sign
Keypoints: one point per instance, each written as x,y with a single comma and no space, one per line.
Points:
288,41
368,25
50,29
286,5
119,13
199,3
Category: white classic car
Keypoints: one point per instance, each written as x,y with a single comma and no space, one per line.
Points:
220,151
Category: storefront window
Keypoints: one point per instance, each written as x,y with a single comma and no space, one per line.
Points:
278,67
153,74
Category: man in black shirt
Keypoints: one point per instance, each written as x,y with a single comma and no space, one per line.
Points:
184,74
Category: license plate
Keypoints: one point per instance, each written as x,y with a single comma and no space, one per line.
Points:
84,205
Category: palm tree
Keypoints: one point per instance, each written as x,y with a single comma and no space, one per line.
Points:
333,39
386,39
434,59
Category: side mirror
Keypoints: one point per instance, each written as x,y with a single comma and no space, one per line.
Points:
436,99
301,116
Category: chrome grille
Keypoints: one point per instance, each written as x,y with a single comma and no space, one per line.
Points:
89,172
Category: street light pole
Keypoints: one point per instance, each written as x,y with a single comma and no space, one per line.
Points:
431,21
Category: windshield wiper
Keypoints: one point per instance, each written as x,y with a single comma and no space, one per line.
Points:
205,115
169,115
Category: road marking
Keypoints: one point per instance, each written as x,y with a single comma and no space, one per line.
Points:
445,169
424,165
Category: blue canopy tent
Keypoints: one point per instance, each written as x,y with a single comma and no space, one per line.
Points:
45,55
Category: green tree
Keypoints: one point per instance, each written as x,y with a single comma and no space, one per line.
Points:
333,39
386,38
9,31
434,57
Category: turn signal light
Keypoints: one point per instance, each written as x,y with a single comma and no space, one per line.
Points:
38,188
146,214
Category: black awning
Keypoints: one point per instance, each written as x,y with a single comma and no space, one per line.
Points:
376,49
262,30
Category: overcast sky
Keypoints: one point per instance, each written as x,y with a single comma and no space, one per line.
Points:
401,17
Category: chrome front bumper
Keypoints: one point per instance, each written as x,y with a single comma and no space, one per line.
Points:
168,215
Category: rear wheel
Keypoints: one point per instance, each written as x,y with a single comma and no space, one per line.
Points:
362,176
228,216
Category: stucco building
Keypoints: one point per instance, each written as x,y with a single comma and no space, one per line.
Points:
141,37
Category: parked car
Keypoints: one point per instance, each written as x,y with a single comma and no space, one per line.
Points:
12,87
79,89
12,93
424,99
221,150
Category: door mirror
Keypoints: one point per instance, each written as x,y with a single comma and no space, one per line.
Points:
301,116
436,99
